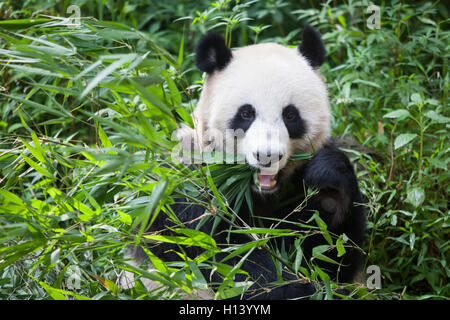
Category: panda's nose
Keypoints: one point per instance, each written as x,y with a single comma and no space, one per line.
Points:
265,158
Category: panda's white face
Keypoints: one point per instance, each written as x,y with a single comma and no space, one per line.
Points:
275,100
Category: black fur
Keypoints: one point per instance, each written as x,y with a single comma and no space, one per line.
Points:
312,47
293,121
211,53
331,172
239,121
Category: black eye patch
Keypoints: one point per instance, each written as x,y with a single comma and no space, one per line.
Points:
243,118
294,123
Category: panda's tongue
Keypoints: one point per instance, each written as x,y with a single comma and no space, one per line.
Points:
267,181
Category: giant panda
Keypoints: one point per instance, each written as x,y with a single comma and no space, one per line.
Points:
272,93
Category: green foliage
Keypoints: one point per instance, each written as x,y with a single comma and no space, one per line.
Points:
88,112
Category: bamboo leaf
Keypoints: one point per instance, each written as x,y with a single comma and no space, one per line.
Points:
38,106
238,249
106,72
58,294
319,253
12,197
37,167
104,138
150,97
34,70
21,23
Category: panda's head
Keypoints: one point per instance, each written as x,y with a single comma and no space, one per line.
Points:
271,98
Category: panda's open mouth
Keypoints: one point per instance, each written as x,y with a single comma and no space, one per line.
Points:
266,182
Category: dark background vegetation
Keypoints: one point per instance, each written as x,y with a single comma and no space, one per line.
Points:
88,111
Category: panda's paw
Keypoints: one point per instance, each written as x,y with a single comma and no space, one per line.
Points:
330,168
331,173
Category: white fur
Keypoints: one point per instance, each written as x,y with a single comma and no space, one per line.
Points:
269,77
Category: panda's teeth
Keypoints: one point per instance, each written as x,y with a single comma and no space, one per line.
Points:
267,181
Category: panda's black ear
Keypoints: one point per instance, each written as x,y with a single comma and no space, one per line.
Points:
312,47
211,53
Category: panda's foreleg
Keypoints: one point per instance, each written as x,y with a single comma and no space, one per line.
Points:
331,172
339,203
